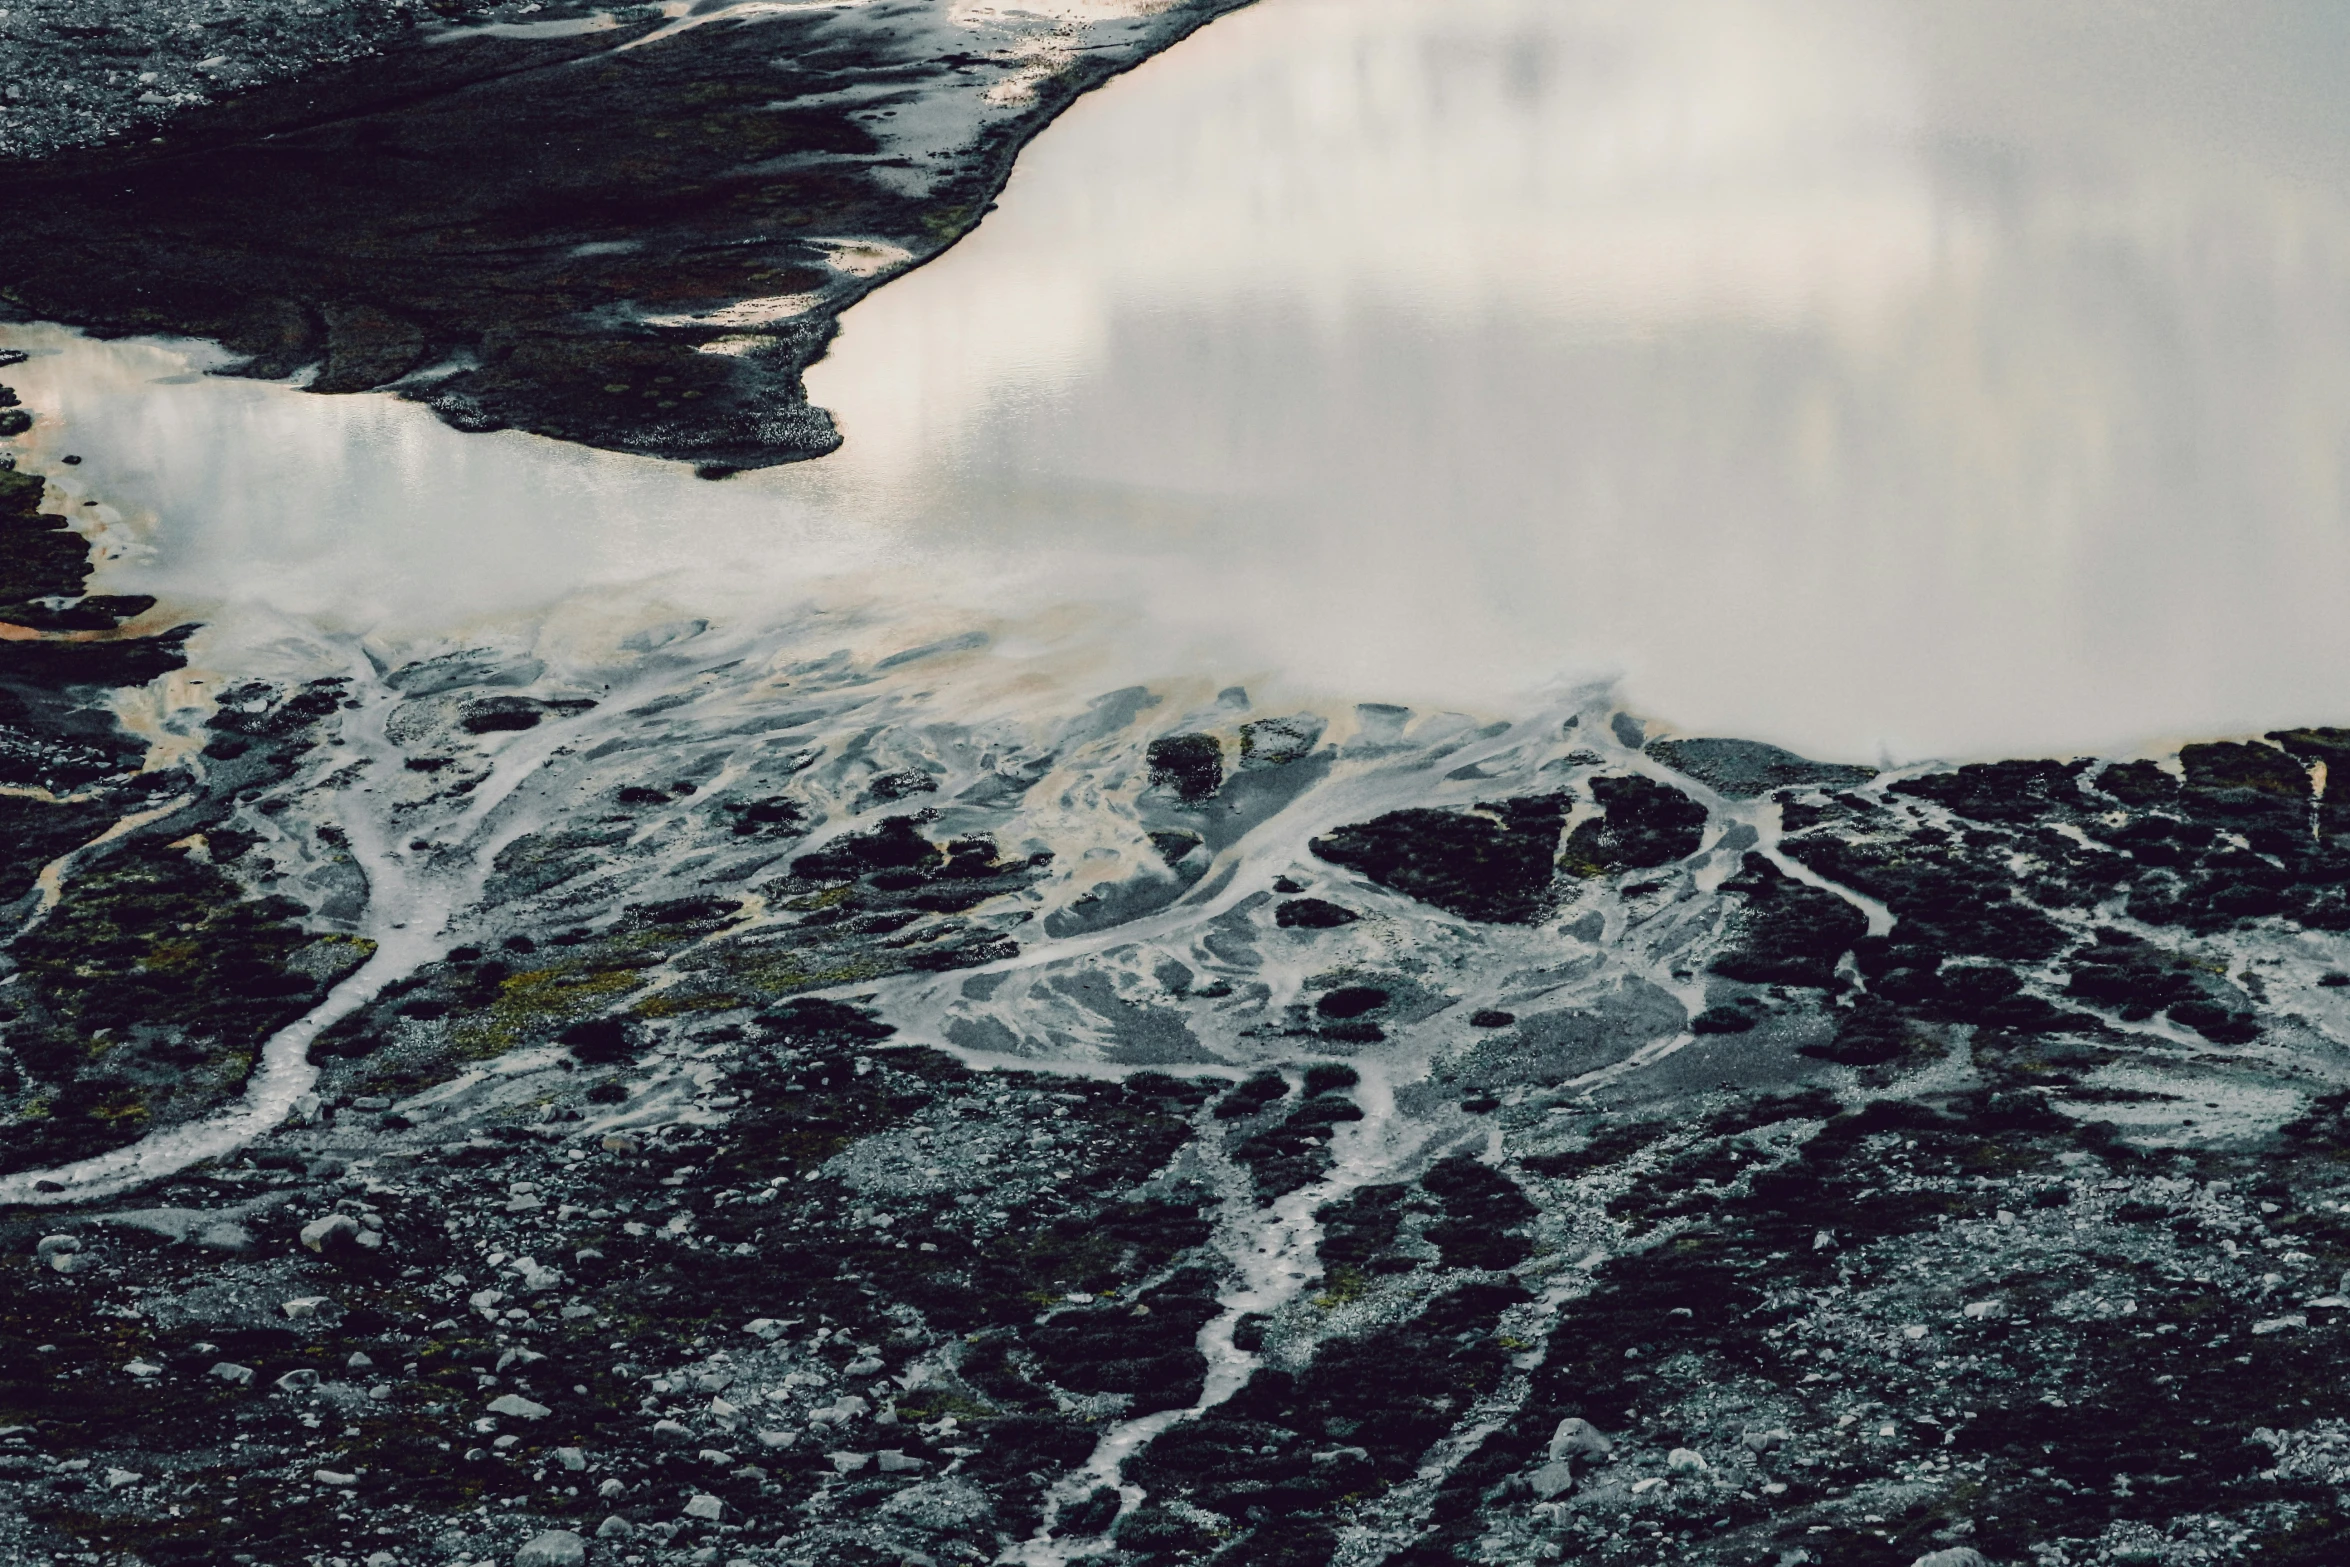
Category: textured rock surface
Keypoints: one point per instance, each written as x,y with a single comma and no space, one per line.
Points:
1945,1161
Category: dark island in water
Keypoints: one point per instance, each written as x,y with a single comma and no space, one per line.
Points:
631,226
794,1122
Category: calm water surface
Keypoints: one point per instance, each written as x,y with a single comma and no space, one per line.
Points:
1865,376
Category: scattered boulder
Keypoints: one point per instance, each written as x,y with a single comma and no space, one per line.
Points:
321,1233
1577,1437
1276,742
1351,1001
597,1041
517,1407
1312,914
1330,1077
554,1548
1191,765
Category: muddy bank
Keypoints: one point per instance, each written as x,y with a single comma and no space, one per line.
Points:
632,228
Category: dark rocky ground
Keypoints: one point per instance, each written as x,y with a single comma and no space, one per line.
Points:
833,1131
81,74
631,226
1967,1174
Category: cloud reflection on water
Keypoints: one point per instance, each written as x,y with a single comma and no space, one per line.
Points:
1844,373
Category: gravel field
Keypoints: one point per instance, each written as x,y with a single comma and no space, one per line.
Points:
83,72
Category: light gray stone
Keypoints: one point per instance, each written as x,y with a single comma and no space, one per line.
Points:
554,1548
1555,1478
1578,1438
321,1233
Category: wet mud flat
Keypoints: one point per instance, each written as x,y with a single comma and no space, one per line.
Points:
820,1125
627,226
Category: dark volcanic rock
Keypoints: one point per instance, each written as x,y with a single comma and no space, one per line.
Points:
1493,864
1647,824
1312,914
2003,791
1483,1211
1789,933
1191,765
153,965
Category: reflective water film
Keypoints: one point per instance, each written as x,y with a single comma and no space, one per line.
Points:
1881,380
